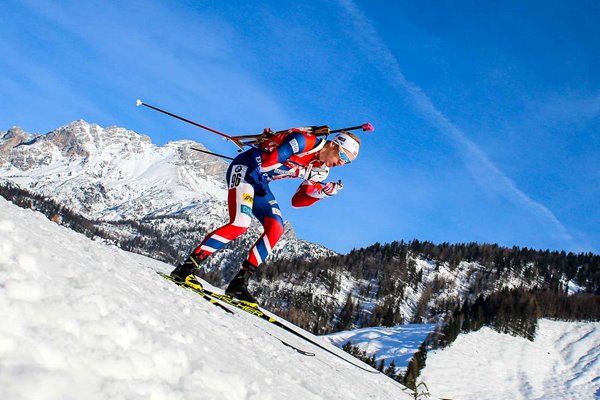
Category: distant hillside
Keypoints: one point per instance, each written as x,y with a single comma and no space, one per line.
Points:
402,282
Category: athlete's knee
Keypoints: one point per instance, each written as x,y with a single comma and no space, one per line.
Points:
273,229
233,230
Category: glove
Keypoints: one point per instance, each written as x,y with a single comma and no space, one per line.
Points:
332,188
299,172
310,173
317,174
320,130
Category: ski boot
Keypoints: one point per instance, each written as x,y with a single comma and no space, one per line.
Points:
238,287
186,272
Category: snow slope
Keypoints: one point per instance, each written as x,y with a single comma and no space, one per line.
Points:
562,363
398,343
82,320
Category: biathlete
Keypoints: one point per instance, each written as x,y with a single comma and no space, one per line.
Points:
296,153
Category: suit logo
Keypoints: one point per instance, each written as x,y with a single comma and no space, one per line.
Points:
246,210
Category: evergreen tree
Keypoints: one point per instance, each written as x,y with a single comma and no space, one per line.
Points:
391,370
381,365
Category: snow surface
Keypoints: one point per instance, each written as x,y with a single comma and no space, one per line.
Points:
563,362
83,320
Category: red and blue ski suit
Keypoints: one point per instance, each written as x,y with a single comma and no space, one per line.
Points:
283,155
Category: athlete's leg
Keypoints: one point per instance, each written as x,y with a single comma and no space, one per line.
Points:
268,213
239,200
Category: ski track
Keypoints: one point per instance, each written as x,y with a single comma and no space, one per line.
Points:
86,320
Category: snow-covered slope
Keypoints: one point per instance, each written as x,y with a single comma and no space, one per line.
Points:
562,363
83,320
398,343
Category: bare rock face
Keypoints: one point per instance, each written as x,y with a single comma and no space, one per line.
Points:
13,137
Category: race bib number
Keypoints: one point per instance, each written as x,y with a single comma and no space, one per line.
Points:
237,174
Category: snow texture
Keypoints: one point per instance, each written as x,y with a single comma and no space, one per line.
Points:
83,320
563,362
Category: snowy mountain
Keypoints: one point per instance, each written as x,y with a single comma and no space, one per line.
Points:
127,185
160,202
82,319
417,282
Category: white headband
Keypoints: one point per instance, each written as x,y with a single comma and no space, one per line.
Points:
347,143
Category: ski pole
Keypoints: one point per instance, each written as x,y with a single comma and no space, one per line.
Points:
368,127
138,103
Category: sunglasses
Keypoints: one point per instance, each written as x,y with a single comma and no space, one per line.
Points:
343,157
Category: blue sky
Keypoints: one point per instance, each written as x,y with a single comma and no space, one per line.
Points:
487,114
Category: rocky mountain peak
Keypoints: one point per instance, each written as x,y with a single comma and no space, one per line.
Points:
13,137
82,139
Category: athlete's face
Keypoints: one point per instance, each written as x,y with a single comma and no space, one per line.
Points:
331,156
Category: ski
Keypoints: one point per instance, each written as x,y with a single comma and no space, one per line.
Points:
239,304
201,293
226,309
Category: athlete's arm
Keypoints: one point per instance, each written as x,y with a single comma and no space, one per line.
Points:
310,192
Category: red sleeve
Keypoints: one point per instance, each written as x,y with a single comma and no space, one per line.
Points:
296,141
307,194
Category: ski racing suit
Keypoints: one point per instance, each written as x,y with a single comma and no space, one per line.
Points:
292,154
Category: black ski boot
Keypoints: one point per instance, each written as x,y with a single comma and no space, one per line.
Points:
189,267
238,287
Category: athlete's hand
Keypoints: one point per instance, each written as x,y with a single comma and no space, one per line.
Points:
317,174
332,188
300,172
